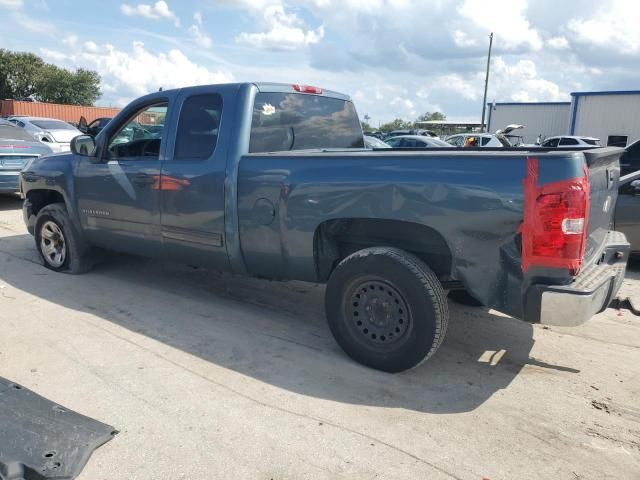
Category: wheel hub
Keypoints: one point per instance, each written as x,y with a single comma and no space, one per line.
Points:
52,244
379,312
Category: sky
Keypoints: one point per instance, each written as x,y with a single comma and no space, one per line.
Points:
395,58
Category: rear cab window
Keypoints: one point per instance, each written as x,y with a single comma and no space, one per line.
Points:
297,121
198,127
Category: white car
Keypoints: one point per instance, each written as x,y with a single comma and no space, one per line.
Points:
55,133
476,140
570,141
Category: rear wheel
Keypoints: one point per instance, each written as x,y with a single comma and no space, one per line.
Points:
61,247
386,308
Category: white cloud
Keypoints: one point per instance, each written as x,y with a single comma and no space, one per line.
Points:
127,74
90,47
520,82
11,3
558,43
462,39
284,31
71,40
614,25
157,11
506,19
195,30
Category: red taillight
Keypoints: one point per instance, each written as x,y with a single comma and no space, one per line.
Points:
554,230
307,89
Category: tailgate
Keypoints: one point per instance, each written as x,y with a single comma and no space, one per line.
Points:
604,173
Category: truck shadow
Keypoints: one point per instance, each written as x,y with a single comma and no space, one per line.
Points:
10,202
276,332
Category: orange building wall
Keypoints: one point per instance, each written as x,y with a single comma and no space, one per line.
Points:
67,113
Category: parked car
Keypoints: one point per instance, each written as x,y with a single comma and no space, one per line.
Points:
374,143
630,160
570,141
415,141
477,140
376,134
411,131
506,134
94,127
17,149
55,133
271,180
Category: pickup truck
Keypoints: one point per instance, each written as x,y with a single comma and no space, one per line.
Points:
272,180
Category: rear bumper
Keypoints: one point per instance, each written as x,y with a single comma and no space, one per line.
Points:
9,182
590,292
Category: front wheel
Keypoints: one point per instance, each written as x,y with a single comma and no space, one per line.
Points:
386,308
60,245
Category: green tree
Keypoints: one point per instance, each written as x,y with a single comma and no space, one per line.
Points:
397,124
18,73
25,74
58,85
429,116
366,127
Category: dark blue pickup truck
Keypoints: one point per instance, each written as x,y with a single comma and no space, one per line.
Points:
271,180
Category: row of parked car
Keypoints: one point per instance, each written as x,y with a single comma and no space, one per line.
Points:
420,138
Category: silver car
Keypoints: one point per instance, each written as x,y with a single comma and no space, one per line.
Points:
570,141
17,150
55,133
415,141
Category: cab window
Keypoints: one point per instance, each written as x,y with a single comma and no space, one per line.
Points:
198,127
140,136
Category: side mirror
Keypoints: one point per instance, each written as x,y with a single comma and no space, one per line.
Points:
84,145
635,187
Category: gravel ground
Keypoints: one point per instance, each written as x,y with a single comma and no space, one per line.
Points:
209,375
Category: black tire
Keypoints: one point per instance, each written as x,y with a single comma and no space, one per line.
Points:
386,309
69,245
464,298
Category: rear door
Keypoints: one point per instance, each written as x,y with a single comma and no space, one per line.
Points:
192,206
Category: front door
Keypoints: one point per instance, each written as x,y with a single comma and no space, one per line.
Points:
192,184
118,192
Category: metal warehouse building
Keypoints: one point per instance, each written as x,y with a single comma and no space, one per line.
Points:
539,118
613,117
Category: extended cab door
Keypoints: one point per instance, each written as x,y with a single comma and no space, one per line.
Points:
118,191
192,200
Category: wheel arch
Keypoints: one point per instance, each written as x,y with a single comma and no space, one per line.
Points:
336,239
40,198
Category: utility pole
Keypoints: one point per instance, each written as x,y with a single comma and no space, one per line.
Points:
486,82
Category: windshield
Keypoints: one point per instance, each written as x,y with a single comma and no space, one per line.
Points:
294,121
52,125
9,132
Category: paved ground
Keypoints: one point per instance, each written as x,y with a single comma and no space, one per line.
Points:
210,376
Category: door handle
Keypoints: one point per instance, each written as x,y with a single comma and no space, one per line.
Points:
143,179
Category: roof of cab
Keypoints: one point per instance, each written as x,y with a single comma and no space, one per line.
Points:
265,87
